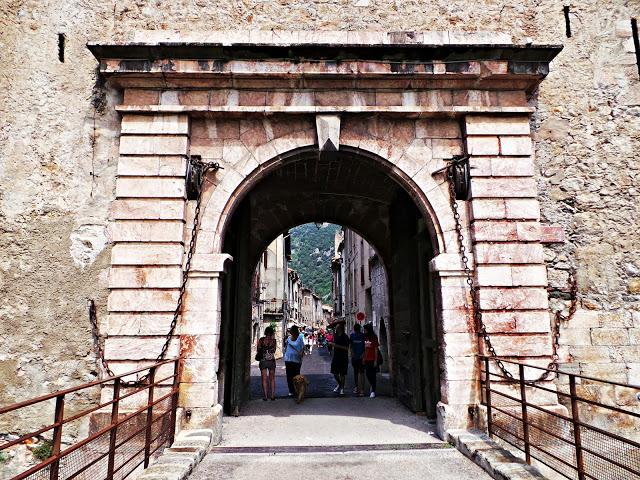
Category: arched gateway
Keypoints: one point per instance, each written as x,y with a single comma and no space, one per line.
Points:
346,128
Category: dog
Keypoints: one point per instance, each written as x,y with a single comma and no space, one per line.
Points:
300,384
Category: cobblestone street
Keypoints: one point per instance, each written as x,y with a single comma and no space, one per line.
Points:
317,369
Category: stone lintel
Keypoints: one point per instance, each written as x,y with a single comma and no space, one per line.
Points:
411,111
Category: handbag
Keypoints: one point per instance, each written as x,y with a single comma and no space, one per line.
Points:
258,356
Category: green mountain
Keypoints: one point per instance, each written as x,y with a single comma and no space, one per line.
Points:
312,249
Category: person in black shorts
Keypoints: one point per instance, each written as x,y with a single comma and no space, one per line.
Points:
340,360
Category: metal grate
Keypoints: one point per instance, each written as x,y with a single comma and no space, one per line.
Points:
120,444
569,438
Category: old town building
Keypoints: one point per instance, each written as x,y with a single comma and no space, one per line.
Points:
343,111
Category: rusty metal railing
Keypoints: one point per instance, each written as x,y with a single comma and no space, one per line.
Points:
124,432
565,425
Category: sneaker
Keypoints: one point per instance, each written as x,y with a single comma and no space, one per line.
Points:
342,392
290,394
335,390
372,395
355,390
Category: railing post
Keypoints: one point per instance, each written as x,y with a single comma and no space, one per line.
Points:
487,393
114,429
525,417
576,427
147,438
57,438
174,400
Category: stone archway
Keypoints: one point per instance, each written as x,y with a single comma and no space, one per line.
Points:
416,113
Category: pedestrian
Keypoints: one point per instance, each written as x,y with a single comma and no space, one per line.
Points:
329,339
308,343
356,343
294,350
340,360
371,346
266,356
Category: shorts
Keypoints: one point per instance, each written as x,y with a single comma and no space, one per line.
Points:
357,365
267,364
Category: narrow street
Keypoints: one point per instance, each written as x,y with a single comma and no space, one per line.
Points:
331,437
317,369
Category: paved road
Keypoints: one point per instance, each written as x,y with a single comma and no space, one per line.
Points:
317,369
440,464
330,437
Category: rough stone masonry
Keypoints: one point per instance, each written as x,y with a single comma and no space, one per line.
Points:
60,140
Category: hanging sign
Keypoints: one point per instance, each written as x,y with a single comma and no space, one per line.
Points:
360,316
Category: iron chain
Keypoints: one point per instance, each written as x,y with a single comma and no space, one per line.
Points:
205,167
475,303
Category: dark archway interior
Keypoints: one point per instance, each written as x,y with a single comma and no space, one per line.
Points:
358,192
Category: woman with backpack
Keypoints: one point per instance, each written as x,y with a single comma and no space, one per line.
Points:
370,357
266,357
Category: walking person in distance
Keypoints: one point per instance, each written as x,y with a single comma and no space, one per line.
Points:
370,358
356,343
294,350
340,360
266,357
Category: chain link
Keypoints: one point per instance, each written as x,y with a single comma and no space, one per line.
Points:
475,304
197,165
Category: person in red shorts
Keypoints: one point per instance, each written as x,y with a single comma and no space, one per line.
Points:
370,358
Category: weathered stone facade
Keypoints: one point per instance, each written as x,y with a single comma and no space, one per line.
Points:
61,136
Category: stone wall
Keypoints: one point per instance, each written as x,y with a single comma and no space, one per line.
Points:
59,144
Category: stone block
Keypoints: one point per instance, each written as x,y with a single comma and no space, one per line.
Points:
139,300
199,370
513,298
446,147
145,277
552,234
517,321
529,275
491,125
199,346
575,336
459,344
483,145
137,96
528,231
634,336
586,318
493,275
460,368
155,124
138,348
138,323
153,145
150,187
160,165
587,353
147,231
198,395
197,322
522,209
613,372
194,97
511,167
488,209
610,336
517,146
437,128
532,345
458,392
455,321
503,188
516,98
147,254
148,209
509,253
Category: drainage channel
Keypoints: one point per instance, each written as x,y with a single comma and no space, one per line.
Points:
332,448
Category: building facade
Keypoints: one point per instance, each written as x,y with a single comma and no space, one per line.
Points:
270,293
95,145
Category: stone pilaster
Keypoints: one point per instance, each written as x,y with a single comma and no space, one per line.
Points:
199,339
147,231
505,229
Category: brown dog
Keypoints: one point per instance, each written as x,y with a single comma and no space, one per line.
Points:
300,384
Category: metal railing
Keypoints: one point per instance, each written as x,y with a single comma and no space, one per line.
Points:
274,306
563,425
118,443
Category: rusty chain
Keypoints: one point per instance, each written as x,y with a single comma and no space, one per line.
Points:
475,303
204,167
